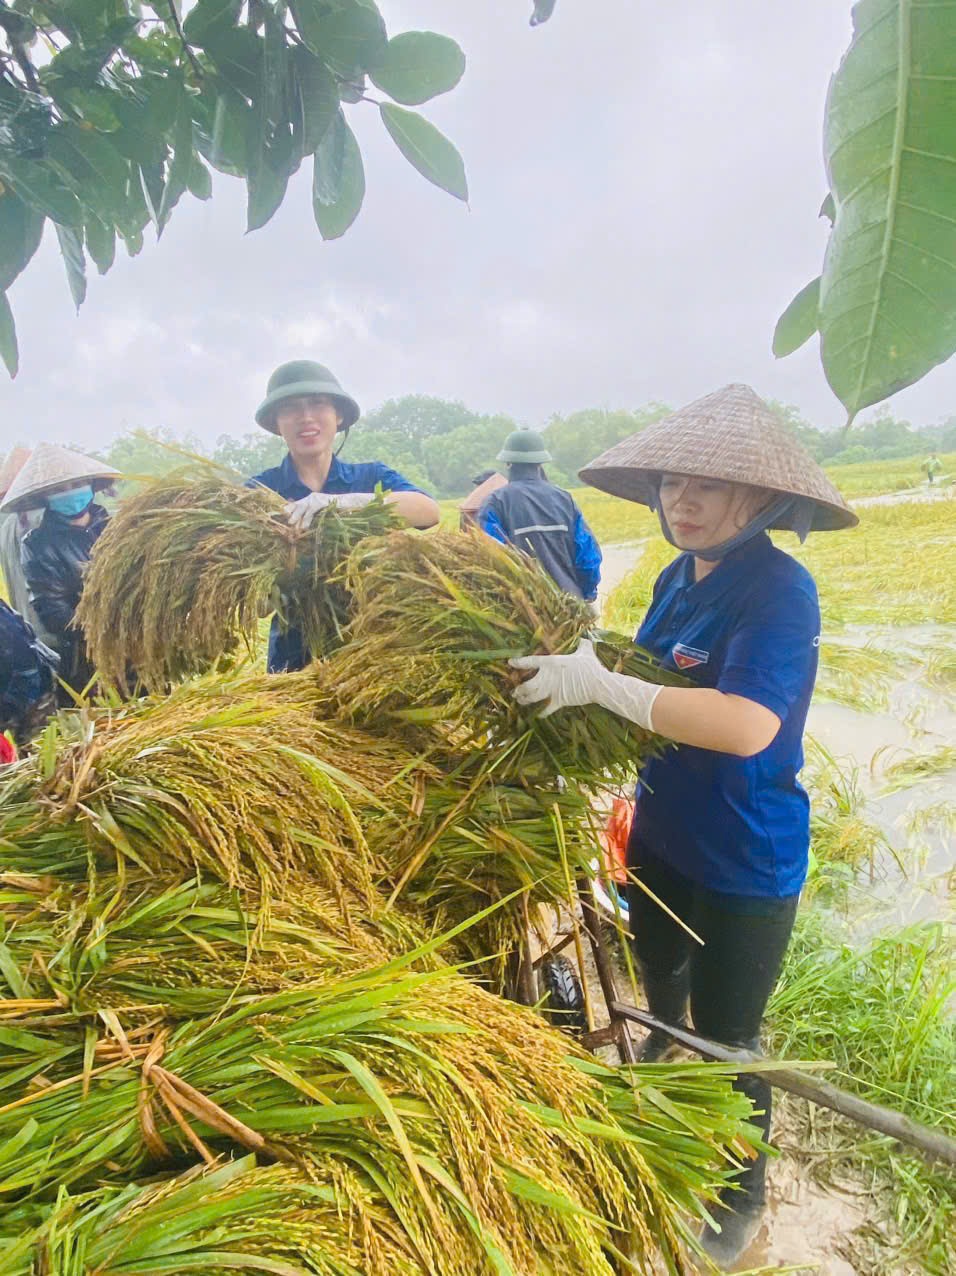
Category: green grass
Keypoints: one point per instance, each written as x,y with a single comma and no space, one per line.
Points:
872,478
896,568
881,1015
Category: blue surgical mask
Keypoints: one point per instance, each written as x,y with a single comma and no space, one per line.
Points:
71,504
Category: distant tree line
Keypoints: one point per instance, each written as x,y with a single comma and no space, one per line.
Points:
442,444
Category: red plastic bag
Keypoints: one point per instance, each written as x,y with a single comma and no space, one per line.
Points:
617,830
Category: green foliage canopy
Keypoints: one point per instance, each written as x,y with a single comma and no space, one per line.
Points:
112,111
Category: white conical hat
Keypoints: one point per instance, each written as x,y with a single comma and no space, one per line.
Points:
730,434
50,467
13,463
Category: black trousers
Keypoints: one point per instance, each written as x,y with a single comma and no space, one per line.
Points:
727,981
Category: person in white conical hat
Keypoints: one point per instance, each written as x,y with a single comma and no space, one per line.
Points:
720,830
63,484
13,528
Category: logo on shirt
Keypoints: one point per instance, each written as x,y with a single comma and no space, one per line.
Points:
688,657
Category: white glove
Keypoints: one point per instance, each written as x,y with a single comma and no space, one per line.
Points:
565,681
301,514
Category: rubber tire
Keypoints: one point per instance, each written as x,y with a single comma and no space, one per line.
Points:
562,998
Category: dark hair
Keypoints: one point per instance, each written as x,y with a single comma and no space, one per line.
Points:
525,470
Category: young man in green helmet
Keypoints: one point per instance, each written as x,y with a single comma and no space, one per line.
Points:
307,407
542,519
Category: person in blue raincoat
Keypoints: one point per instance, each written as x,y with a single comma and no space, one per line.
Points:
307,407
541,518
720,831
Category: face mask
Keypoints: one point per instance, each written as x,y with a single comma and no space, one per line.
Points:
73,503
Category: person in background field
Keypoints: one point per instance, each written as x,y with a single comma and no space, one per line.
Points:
13,529
482,485
720,830
931,467
63,484
307,407
541,519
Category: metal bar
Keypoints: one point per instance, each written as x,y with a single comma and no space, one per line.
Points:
930,1143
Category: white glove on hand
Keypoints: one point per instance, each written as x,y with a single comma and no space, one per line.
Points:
566,681
301,514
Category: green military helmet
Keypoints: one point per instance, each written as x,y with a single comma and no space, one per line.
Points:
303,376
524,447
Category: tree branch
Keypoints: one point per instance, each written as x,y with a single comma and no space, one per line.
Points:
193,61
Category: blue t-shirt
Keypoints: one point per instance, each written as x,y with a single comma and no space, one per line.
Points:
750,628
286,647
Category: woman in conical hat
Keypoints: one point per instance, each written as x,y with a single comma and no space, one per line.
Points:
62,484
720,831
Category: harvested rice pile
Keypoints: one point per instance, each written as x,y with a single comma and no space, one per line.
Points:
231,1034
153,1017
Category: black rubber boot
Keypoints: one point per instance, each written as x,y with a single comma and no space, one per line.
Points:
666,1000
739,1216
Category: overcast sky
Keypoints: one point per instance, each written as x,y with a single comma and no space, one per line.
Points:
645,180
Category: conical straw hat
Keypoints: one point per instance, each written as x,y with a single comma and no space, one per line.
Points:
50,467
12,465
730,434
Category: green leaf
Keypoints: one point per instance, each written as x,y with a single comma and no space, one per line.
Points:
100,243
177,179
93,165
888,289
236,53
21,229
319,95
42,190
543,10
9,351
71,250
208,17
417,66
349,38
199,180
426,149
799,321
828,208
338,180
272,158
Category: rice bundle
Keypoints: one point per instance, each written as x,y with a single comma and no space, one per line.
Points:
243,785
191,564
465,1118
436,620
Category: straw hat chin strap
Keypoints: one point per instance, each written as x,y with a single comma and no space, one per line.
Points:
798,511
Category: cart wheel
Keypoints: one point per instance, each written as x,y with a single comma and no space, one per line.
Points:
562,998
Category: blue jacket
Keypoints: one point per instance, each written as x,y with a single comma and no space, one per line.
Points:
286,646
27,669
750,628
544,520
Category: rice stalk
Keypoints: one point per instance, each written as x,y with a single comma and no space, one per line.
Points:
193,562
263,1219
